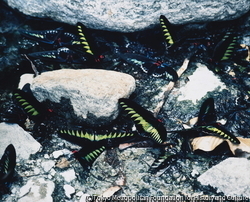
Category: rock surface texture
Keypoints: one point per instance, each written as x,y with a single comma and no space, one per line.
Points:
14,134
131,15
89,94
229,177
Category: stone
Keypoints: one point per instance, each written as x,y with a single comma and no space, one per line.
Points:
69,190
85,95
47,165
128,15
230,177
37,189
69,175
23,142
200,83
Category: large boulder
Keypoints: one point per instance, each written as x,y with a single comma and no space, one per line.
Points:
230,177
86,95
131,15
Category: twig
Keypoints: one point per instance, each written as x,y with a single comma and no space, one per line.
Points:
32,65
167,89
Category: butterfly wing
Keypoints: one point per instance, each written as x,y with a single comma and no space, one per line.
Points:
166,31
35,110
87,155
84,38
44,36
7,164
218,131
207,114
144,120
165,71
225,48
62,55
82,138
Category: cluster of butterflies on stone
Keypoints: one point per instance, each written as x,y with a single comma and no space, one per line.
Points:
77,49
148,128
81,48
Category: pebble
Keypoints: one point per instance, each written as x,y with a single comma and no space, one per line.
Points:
69,175
69,190
58,153
47,165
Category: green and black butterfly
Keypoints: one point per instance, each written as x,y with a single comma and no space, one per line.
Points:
87,44
7,167
224,50
146,123
87,155
84,138
207,124
163,162
34,109
166,27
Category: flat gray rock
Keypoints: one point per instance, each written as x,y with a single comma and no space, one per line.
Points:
37,189
89,95
131,15
231,177
23,142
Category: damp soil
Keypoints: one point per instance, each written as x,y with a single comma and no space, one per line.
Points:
178,179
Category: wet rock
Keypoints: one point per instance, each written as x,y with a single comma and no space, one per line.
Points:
199,84
69,175
127,16
69,190
47,165
23,142
230,177
37,189
88,94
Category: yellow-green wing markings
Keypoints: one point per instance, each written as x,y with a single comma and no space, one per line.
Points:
144,119
95,137
7,164
83,40
26,105
90,157
232,42
220,132
165,29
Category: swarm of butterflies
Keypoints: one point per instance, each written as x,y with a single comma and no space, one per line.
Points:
78,49
81,48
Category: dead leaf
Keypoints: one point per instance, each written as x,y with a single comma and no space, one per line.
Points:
206,143
110,191
62,163
209,143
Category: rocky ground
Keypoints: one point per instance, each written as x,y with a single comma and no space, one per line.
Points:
51,173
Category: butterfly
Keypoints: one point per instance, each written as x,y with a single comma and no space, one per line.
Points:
154,68
7,167
87,43
84,138
225,48
62,55
57,37
87,155
33,108
146,123
207,122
